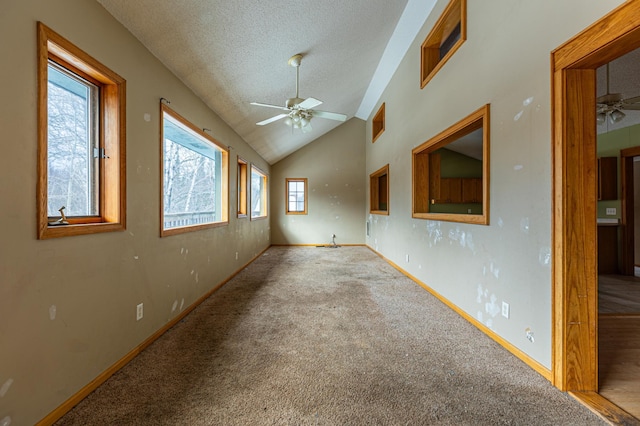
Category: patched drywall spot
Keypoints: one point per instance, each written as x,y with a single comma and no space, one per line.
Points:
527,101
435,233
544,256
131,233
52,312
197,278
147,117
175,306
136,257
491,307
500,222
6,421
181,304
524,225
337,217
518,167
5,387
517,116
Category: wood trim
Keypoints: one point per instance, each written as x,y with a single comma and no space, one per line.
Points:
66,406
574,260
264,195
604,408
535,365
243,192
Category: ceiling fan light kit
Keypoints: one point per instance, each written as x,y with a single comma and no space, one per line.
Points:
611,105
299,110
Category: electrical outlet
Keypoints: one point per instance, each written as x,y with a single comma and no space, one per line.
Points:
236,255
139,312
505,309
611,211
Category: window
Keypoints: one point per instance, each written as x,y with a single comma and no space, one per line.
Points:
451,173
194,175
379,186
378,124
81,141
258,193
296,196
447,35
242,188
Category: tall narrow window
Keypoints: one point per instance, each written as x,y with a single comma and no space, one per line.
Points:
81,141
242,188
195,177
258,193
296,196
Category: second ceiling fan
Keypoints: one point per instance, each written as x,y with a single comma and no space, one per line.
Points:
299,112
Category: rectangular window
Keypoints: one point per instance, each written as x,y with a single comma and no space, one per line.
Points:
379,187
296,196
81,141
195,177
451,172
242,188
258,193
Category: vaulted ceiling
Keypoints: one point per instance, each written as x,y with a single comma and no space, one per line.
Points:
232,53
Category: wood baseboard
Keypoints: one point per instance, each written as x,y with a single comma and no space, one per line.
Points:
66,406
539,368
604,408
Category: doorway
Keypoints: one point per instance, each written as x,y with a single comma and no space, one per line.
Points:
574,231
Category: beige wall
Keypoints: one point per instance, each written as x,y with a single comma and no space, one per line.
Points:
505,62
67,305
334,166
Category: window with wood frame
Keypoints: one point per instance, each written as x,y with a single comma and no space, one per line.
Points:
447,35
451,172
379,187
242,188
195,182
81,141
296,196
377,124
258,193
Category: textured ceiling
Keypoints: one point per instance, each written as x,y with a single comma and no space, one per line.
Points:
231,53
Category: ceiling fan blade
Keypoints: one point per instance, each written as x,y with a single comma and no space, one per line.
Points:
309,103
272,119
329,115
269,106
631,100
633,107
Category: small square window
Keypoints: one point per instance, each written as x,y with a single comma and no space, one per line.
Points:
296,196
379,186
258,193
378,124
81,147
447,35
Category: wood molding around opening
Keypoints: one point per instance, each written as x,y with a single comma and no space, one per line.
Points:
574,261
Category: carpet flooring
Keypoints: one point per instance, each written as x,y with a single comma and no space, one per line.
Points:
325,336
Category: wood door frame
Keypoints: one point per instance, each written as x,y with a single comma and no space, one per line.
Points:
627,201
574,229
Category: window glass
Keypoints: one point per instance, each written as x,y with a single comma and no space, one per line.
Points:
72,144
258,193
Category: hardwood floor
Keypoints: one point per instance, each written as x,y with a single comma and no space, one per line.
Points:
619,341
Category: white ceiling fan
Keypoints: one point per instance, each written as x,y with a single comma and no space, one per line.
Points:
299,111
611,105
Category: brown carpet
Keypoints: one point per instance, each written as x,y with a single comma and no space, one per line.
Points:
325,336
